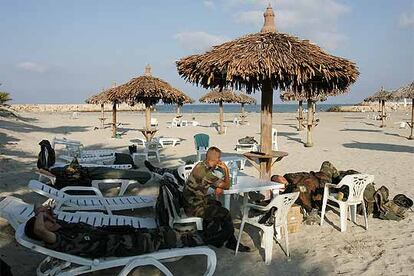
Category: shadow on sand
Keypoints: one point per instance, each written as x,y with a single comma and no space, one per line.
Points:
379,147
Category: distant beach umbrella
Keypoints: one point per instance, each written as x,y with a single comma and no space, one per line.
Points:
266,61
381,96
407,92
102,99
244,99
220,97
148,90
287,96
184,99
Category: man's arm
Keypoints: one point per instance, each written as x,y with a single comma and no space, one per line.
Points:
41,231
225,183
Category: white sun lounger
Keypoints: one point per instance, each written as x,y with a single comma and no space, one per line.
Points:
16,211
65,201
102,160
59,263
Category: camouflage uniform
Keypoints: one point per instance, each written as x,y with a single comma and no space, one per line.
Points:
83,240
311,185
217,223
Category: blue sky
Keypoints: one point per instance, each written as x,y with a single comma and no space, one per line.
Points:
65,51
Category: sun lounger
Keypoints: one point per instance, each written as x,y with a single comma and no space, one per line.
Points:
101,160
59,263
246,147
168,141
64,201
16,211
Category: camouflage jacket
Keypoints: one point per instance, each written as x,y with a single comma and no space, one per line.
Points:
195,189
83,240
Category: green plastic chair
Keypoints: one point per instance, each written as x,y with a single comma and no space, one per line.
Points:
202,143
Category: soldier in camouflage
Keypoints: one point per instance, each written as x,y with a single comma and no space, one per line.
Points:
217,222
311,184
84,240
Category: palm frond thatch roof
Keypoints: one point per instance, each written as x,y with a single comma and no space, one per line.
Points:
406,91
244,99
183,98
284,60
100,98
217,96
380,95
289,96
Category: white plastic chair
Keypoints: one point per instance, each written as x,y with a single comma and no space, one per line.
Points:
356,184
64,201
185,171
152,147
59,263
282,203
178,216
274,139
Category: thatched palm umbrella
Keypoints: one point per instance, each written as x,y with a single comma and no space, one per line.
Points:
220,97
102,99
148,90
407,92
311,102
381,96
184,99
289,96
266,61
244,99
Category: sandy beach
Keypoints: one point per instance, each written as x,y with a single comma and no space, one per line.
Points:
348,140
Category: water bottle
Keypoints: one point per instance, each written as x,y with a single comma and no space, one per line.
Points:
234,169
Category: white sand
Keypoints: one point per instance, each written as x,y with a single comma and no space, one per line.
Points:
348,140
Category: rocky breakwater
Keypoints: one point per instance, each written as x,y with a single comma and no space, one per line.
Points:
72,107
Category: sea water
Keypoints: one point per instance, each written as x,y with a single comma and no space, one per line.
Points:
235,108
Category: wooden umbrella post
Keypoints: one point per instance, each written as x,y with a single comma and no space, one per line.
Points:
309,142
114,120
300,115
382,113
411,137
102,116
221,131
147,115
242,113
179,107
266,129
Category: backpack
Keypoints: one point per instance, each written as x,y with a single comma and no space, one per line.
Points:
167,183
369,200
247,140
46,157
388,209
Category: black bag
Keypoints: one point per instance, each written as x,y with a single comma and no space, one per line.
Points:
247,140
46,158
5,269
161,212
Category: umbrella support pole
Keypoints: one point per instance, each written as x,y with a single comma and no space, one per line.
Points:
102,116
147,116
382,113
266,129
309,125
300,115
114,120
221,128
242,113
411,137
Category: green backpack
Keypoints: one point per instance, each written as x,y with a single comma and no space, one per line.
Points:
388,209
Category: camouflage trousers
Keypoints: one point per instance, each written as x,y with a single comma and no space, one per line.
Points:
217,224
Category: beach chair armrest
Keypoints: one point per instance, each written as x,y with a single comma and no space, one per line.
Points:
81,188
46,174
257,207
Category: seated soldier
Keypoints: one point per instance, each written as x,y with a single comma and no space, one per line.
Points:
84,240
217,222
311,185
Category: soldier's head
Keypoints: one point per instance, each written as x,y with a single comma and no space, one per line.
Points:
213,156
279,179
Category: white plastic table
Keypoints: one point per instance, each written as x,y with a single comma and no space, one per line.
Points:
247,184
240,159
